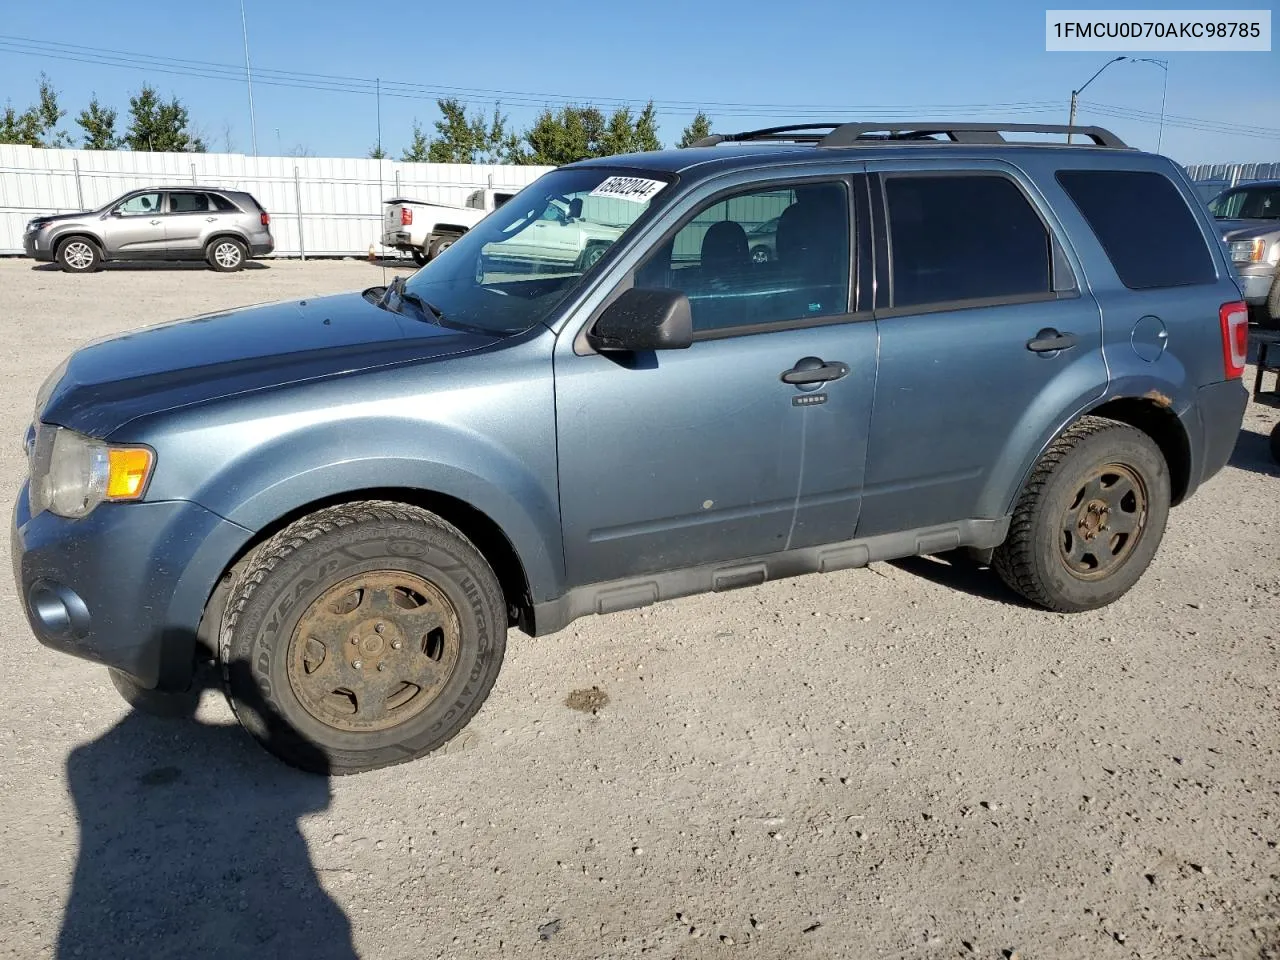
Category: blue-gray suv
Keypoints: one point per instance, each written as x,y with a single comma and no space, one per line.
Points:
1027,349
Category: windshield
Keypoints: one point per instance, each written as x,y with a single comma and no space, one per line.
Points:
515,266
1248,203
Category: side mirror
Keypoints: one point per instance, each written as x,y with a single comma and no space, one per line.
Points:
640,319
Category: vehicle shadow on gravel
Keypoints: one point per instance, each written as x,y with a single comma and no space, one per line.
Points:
190,847
144,266
1253,453
956,570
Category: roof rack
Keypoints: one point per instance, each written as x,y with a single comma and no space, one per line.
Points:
850,134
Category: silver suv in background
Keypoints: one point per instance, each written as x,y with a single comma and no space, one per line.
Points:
222,227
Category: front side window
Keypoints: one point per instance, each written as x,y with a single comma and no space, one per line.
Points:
759,257
964,237
1248,203
514,267
186,202
143,205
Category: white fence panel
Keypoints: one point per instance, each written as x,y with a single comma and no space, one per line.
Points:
323,206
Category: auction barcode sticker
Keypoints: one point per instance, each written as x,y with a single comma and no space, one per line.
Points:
1132,31
635,189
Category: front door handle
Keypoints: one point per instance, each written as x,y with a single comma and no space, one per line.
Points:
1049,340
210,219
155,223
814,370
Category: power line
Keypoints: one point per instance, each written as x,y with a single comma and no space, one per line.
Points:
482,97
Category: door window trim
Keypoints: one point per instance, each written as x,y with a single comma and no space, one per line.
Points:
208,210
1063,283
859,250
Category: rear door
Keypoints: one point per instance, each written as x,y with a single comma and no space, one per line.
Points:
190,218
988,341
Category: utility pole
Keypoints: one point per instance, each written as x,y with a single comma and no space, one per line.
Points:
248,76
378,81
1075,94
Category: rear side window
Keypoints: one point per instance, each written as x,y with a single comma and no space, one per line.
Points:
222,204
1144,225
183,202
964,237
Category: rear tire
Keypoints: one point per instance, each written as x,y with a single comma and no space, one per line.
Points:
1089,519
439,245
226,255
362,636
78,255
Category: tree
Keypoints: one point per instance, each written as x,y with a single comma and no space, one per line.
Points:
37,125
462,138
417,150
160,127
646,137
99,125
574,133
701,127
377,153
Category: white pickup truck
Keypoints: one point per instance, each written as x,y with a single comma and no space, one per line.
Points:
426,229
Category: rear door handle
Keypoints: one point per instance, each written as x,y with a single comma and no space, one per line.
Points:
814,370
1049,340
155,223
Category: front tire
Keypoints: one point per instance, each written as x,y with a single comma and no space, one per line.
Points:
226,255
78,255
1089,519
362,636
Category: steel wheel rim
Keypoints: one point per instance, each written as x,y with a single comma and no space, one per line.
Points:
79,255
227,254
374,651
443,246
1104,521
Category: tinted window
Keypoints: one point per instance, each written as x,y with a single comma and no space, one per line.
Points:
964,238
183,202
759,257
1144,225
222,204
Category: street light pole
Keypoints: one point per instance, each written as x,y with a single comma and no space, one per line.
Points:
1075,94
248,76
1164,93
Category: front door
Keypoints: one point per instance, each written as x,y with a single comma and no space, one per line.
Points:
987,337
677,458
135,228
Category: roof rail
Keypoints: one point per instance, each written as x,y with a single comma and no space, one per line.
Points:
850,134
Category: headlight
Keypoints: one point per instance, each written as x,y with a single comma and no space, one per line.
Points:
1247,251
71,474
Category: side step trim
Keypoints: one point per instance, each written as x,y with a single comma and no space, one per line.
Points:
643,591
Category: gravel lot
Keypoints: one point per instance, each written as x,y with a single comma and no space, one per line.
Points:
901,761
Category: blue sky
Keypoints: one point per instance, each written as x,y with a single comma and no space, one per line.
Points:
985,60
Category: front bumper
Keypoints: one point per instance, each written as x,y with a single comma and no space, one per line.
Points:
33,248
1255,282
125,586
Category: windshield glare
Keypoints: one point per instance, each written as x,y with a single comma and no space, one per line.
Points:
1248,203
514,267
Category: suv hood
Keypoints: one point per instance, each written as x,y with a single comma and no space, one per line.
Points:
60,217
1246,229
110,382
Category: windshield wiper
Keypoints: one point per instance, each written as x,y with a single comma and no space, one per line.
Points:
425,308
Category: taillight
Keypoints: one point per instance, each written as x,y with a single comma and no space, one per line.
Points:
265,218
406,217
1234,319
